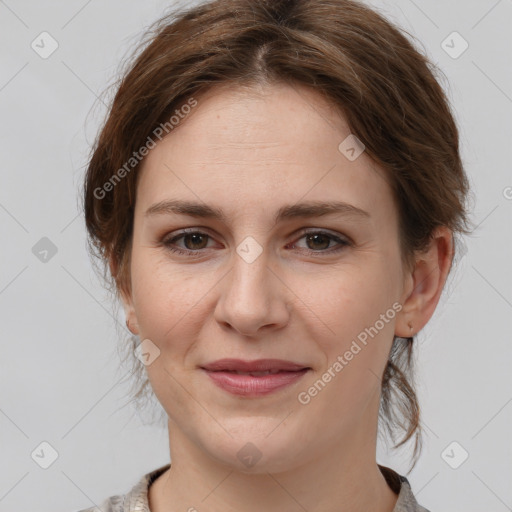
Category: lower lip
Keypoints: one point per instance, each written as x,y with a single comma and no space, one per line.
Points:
247,385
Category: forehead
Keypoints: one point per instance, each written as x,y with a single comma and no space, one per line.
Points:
265,144
269,119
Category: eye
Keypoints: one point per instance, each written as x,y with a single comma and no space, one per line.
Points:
194,242
319,241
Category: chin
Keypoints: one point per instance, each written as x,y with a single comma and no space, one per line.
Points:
259,453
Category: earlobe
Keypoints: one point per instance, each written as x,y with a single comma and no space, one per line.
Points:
129,311
425,284
125,298
131,317
131,324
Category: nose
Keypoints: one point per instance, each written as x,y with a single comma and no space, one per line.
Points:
253,297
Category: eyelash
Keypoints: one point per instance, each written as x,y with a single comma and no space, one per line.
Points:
187,252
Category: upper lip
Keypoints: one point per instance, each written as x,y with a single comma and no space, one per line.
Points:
258,365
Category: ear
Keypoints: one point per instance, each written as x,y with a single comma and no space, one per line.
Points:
423,287
126,298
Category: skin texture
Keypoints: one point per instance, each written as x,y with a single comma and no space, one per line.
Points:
249,152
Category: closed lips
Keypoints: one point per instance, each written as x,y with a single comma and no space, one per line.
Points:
253,379
256,368
259,374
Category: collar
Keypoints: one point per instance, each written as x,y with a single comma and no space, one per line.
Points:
137,498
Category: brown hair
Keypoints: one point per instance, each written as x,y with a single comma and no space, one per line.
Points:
386,90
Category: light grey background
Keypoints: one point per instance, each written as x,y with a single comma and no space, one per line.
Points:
61,381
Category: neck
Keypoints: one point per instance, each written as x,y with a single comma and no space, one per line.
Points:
346,478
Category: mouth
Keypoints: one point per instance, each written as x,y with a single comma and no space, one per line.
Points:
257,366
254,378
254,374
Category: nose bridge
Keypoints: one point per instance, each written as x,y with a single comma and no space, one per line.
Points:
252,296
250,279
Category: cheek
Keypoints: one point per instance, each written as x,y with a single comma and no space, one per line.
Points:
353,326
164,296
350,301
166,305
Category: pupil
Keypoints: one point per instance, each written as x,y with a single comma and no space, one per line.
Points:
316,237
195,237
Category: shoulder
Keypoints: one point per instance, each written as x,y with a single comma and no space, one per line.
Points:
400,485
134,500
137,498
406,500
111,504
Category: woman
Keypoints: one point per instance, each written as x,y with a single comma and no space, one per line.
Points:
276,193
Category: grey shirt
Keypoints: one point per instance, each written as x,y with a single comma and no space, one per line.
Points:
136,500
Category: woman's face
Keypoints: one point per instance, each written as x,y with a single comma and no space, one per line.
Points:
259,285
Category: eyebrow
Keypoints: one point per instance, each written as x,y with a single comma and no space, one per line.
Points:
299,210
